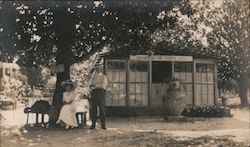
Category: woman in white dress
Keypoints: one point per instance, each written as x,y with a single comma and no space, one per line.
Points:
72,104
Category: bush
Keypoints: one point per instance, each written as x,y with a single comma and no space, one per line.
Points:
206,111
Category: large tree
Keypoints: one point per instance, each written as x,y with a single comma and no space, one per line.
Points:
63,33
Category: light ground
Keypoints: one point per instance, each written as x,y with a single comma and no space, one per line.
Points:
139,131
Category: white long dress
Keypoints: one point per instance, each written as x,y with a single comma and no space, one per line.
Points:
68,111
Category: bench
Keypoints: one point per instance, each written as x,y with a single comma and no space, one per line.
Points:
81,117
27,111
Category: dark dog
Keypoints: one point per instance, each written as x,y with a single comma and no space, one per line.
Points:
39,107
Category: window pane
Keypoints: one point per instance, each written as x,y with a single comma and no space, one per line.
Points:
201,67
177,75
144,99
210,89
177,67
189,67
138,88
210,68
189,99
183,67
122,66
138,77
144,76
132,77
131,88
189,88
204,89
122,76
109,76
198,77
113,65
116,95
122,90
143,66
210,99
121,95
144,88
189,77
198,94
132,99
116,65
109,98
138,100
138,66
183,76
210,77
115,77
204,94
204,99
203,77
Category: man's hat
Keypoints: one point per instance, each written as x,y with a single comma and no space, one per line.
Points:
67,82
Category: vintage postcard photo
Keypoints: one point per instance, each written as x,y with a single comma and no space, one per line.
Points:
134,73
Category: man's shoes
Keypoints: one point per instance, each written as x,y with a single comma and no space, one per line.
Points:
104,128
92,128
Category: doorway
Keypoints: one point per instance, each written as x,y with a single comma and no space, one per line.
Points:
161,71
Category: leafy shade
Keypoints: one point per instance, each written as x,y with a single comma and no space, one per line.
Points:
45,33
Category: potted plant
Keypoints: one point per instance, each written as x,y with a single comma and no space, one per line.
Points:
174,99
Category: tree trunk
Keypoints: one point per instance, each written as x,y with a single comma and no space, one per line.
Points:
243,88
58,94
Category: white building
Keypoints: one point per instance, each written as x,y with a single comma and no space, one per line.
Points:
7,70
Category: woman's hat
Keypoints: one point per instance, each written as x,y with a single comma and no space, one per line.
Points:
67,82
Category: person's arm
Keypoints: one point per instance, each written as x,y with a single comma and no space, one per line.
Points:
105,82
91,82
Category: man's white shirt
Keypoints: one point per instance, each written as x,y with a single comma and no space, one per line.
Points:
98,80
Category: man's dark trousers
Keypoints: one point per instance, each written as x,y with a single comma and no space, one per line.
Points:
98,100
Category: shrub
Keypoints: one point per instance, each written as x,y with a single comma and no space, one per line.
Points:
206,111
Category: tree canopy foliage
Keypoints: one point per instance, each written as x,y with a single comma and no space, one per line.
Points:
46,32
220,28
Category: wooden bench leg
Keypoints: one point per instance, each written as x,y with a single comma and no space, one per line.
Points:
42,118
27,120
84,119
37,115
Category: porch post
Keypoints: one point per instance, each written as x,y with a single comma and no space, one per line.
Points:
215,84
194,82
127,83
150,84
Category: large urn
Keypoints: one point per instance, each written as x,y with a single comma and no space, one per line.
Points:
174,99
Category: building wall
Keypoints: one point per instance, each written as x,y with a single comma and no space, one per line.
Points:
7,70
132,83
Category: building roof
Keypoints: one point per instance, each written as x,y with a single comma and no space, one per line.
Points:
166,49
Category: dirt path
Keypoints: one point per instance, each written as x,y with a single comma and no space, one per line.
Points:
136,132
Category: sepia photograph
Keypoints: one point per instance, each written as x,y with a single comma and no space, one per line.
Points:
125,73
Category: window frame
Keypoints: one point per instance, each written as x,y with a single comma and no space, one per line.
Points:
141,83
119,82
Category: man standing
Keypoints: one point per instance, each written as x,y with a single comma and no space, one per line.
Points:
98,85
